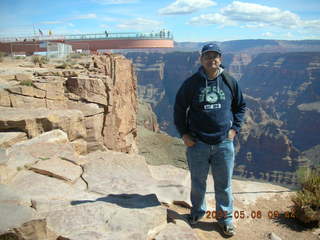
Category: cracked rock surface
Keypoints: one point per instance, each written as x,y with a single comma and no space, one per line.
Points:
103,195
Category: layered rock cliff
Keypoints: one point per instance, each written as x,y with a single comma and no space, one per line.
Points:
291,82
96,104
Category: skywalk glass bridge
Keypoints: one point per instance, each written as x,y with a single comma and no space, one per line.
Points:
90,42
92,36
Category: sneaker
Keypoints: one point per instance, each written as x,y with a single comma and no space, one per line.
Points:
227,229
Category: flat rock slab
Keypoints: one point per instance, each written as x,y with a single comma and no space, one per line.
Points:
9,196
27,91
35,121
176,232
53,136
3,156
23,77
7,139
13,215
58,168
117,173
166,172
23,156
173,184
244,191
36,187
88,109
43,147
88,235
106,219
248,192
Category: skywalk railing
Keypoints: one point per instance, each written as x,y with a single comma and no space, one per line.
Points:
162,35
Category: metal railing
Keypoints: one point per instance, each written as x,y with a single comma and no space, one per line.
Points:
162,35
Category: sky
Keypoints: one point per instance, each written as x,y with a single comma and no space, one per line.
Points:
187,20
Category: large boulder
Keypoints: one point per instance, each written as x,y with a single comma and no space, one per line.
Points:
7,139
39,120
13,215
24,154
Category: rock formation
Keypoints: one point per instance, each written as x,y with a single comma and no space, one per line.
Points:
146,117
52,193
96,104
49,191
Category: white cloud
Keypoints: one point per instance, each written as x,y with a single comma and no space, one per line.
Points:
51,22
215,18
65,21
288,35
256,13
104,26
111,2
267,34
86,16
251,15
312,37
140,24
254,25
109,19
185,6
311,24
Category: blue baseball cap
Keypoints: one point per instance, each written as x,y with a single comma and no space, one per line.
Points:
211,47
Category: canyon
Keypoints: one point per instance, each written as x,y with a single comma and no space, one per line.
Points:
281,89
69,168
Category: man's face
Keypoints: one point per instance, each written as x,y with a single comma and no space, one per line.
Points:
210,61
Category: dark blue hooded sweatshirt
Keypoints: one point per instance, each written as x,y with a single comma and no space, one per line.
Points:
207,109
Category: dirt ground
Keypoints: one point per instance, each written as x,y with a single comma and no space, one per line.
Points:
251,225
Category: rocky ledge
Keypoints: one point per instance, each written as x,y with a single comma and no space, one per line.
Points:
95,104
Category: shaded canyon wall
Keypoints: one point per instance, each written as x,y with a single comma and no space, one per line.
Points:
282,99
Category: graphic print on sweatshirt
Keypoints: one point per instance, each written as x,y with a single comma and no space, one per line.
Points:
210,97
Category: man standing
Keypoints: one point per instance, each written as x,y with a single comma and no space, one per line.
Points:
208,113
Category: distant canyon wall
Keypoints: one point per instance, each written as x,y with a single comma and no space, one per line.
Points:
282,94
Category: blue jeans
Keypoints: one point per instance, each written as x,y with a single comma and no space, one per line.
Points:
221,159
